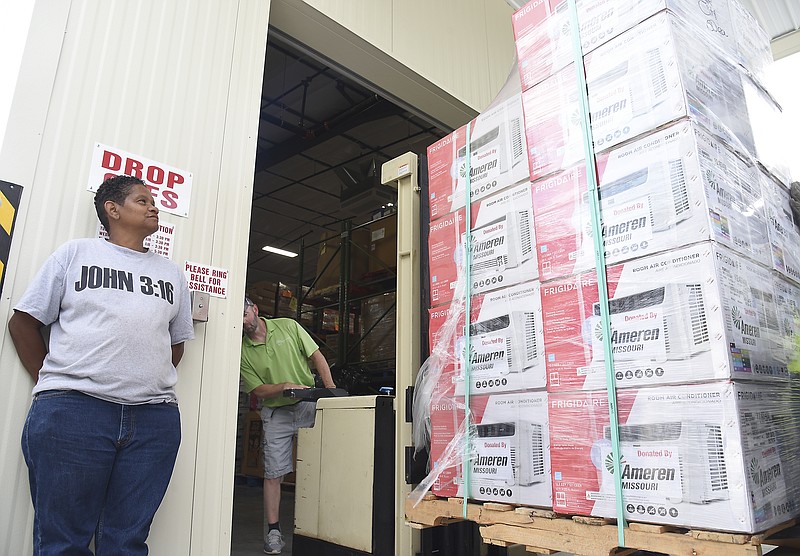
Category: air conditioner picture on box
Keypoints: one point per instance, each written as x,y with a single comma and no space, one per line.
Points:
498,157
506,342
697,313
691,465
671,188
667,322
715,455
503,244
510,339
509,453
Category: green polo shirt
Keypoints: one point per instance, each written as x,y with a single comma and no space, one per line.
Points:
283,358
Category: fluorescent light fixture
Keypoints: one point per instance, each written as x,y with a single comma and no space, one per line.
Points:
277,251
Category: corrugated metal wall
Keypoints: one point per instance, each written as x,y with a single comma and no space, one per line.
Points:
178,82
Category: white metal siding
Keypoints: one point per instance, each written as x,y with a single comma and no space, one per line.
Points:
781,20
178,82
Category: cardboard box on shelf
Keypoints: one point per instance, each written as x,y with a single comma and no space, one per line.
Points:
253,457
383,244
379,327
328,263
264,295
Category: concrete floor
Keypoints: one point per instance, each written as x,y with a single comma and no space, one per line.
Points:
247,534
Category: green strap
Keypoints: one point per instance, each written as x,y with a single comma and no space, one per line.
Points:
600,262
467,316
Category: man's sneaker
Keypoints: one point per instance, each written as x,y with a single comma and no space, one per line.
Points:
274,543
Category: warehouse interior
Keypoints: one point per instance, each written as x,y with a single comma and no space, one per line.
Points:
323,136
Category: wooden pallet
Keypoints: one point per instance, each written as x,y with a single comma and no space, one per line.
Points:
546,532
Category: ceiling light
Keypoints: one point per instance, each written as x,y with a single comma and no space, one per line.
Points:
277,251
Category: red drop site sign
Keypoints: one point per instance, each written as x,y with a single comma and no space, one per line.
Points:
171,187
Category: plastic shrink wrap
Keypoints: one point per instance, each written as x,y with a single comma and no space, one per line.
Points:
702,267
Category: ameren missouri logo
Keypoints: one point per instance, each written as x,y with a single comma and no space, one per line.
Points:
764,479
640,478
743,327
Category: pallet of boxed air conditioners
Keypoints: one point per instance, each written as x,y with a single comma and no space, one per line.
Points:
702,279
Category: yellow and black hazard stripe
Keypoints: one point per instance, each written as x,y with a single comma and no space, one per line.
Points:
10,195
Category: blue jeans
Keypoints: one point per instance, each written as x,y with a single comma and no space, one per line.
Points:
97,469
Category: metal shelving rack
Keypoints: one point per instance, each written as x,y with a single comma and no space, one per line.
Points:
359,375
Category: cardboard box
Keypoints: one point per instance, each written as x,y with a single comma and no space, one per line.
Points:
379,327
264,294
646,77
787,302
383,244
512,458
446,448
671,188
706,456
503,245
253,456
696,313
328,263
506,341
544,42
784,237
497,159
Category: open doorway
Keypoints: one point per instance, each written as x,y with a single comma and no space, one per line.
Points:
323,136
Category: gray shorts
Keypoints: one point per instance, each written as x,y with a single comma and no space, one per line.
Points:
280,427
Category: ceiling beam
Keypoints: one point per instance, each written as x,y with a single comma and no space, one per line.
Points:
377,150
371,109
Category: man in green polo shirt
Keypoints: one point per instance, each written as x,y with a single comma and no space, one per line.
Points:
275,357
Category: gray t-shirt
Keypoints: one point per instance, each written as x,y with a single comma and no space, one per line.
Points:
115,314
